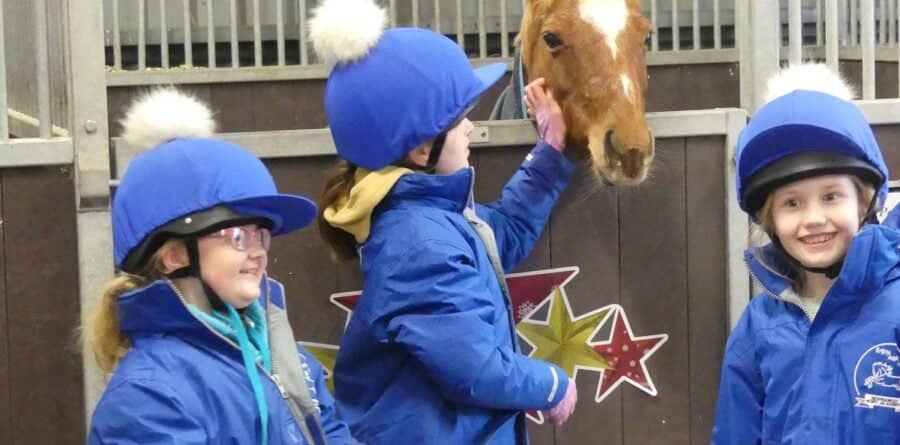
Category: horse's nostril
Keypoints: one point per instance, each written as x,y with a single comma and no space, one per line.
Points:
631,163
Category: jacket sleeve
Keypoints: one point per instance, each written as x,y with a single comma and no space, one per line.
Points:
336,431
144,411
518,217
741,393
440,312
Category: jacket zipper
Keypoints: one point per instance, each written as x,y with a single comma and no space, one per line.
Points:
272,376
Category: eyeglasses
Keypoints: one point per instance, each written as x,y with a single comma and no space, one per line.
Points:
243,238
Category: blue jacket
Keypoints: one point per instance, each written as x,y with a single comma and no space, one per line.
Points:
893,218
835,380
181,383
430,355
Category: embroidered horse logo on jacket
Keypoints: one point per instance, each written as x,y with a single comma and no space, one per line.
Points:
877,377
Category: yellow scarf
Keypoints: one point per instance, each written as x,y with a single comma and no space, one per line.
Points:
353,214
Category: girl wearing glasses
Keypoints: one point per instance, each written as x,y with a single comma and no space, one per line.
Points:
193,335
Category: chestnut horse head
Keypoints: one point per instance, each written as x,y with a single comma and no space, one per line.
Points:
592,54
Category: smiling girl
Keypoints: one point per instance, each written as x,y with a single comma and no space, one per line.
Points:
193,334
812,359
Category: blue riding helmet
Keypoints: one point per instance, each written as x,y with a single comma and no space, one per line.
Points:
190,186
412,86
804,134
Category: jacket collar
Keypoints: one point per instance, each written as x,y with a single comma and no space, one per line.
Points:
451,192
154,309
871,262
161,308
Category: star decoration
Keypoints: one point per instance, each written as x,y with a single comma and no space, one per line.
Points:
346,301
562,338
530,290
627,356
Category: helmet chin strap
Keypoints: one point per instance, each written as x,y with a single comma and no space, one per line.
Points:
833,270
435,155
193,270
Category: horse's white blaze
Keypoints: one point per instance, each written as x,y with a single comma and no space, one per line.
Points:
608,16
626,86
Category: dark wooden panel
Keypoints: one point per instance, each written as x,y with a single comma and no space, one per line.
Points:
6,410
117,101
46,388
486,103
285,105
888,137
706,260
494,168
653,294
235,106
301,260
585,233
885,78
693,87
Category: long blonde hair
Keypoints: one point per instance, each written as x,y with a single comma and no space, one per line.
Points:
101,331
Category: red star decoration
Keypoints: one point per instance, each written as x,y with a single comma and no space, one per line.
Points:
528,290
346,301
627,355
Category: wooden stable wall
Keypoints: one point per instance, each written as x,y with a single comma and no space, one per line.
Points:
41,395
658,250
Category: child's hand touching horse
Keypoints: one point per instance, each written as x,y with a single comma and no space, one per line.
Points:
544,108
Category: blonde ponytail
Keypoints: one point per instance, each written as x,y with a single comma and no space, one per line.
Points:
101,333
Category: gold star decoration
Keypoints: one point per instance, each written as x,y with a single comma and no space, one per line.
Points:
563,339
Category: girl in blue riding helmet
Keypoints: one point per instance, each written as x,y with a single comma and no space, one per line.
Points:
193,335
814,358
430,355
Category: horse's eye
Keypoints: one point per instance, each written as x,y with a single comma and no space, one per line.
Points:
553,41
